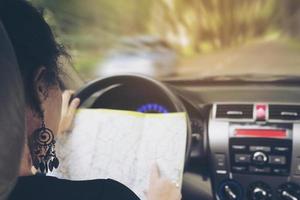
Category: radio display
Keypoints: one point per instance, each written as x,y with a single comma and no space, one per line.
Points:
261,133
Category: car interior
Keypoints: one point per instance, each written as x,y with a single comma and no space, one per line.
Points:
242,134
12,116
243,140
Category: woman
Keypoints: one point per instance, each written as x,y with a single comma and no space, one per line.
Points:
37,54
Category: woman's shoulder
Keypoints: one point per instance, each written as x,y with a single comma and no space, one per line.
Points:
100,189
108,188
111,186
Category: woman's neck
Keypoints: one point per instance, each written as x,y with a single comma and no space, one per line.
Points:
32,123
26,164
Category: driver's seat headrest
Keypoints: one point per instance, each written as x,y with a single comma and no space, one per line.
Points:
12,115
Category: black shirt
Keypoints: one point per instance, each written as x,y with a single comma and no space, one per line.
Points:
51,188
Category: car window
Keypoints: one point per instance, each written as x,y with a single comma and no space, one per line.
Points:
171,38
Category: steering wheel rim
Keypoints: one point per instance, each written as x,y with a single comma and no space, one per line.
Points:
101,84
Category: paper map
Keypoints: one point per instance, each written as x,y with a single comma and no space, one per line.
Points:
122,145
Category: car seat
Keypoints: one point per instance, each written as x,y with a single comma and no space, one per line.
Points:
12,115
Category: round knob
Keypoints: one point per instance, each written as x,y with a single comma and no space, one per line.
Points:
259,191
230,190
289,191
288,196
260,158
229,193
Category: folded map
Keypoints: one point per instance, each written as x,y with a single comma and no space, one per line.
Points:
122,145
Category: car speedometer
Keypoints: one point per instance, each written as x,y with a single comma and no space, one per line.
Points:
152,108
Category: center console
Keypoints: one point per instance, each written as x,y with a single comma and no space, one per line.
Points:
255,151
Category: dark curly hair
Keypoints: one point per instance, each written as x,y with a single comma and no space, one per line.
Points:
34,45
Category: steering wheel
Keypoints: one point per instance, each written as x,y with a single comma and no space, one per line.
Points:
133,81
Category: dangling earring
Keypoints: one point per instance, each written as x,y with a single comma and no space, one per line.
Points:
42,149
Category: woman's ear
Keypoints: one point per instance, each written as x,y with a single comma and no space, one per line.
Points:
50,97
40,86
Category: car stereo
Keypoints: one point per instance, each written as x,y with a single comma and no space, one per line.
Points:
264,150
255,151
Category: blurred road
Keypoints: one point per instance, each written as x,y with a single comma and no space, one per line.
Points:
265,57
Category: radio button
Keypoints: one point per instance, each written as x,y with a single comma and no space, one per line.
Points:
259,158
277,160
239,169
260,148
297,168
220,161
260,170
281,149
242,158
239,147
280,171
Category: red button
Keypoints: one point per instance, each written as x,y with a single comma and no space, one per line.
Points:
261,111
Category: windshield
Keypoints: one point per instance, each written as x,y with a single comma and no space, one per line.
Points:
178,38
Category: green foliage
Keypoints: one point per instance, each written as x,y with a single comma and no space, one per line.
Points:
91,27
200,25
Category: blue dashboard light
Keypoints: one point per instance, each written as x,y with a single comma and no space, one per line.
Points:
152,107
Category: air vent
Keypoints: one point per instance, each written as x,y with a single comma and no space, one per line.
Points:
234,111
284,112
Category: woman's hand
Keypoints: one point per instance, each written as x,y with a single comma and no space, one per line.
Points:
161,188
67,112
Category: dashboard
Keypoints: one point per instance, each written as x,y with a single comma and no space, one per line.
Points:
244,134
254,150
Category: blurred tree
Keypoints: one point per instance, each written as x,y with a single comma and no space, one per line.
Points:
192,25
99,19
289,17
91,27
196,25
